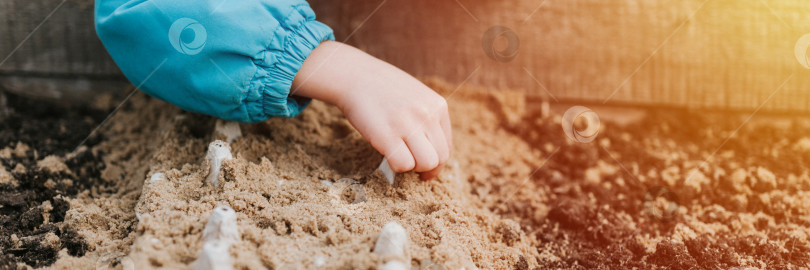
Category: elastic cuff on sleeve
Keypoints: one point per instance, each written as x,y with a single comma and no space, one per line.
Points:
277,78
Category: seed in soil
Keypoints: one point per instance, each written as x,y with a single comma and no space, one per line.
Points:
387,171
228,129
218,151
392,244
222,226
219,234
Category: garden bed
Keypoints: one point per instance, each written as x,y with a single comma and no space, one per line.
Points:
517,193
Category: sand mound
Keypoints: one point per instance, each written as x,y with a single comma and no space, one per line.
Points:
305,191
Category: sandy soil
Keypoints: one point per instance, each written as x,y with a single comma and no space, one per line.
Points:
305,190
517,193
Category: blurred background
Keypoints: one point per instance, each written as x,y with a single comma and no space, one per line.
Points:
725,54
57,58
717,54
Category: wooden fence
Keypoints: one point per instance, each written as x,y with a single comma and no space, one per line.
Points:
723,54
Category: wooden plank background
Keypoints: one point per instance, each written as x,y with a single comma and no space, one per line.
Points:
65,45
60,59
723,54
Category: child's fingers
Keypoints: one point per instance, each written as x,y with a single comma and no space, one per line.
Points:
393,148
399,157
424,153
444,121
437,138
430,174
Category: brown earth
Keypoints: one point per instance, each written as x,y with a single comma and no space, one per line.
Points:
517,192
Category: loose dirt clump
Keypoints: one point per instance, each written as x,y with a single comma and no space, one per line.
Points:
40,172
720,198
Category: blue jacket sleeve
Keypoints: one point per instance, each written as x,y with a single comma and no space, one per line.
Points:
230,59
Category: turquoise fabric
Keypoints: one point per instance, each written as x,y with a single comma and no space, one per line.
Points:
230,59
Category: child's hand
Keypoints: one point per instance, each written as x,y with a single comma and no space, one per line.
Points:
402,118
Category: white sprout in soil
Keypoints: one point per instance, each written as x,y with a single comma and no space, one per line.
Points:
157,177
218,151
319,261
221,226
219,234
228,129
392,245
214,256
386,171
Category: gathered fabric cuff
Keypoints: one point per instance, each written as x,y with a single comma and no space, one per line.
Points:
278,68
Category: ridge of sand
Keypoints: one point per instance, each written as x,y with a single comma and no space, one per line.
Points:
288,184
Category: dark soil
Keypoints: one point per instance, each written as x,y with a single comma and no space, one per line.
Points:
48,129
593,235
